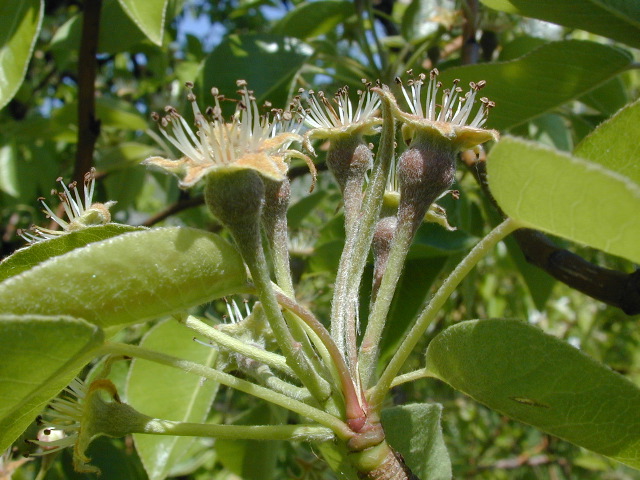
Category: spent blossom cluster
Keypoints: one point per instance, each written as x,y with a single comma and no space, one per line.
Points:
328,374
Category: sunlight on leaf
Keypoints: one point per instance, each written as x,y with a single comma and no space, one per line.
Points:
566,196
148,15
614,144
543,79
130,278
31,255
616,19
40,356
520,371
20,24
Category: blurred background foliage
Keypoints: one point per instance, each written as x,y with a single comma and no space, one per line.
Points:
552,82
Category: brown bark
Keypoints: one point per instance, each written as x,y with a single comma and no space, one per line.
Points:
392,468
88,124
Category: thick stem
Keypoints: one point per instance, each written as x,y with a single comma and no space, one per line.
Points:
354,411
251,249
379,391
381,462
425,170
88,124
354,255
274,221
323,418
470,47
370,347
236,198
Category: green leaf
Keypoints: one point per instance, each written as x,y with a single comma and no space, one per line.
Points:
312,19
551,129
9,177
266,62
414,431
125,186
519,46
130,278
123,155
253,459
200,454
434,241
542,80
32,255
168,393
40,356
111,112
337,456
608,98
326,257
67,38
20,24
616,19
148,15
119,114
127,35
36,129
566,196
614,144
112,456
417,20
522,372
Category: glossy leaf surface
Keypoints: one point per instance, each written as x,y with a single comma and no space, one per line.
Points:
309,20
518,370
541,80
129,278
616,19
148,15
19,27
40,356
566,196
267,62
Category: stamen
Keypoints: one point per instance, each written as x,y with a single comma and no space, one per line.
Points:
323,114
451,99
